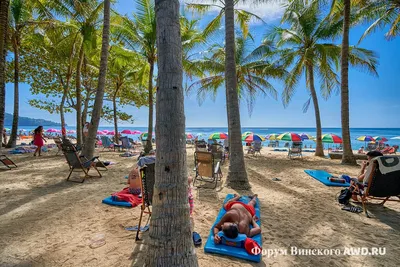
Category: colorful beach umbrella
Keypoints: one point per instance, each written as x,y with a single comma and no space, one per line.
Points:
252,137
132,132
216,136
189,136
105,131
293,137
305,136
71,131
331,138
365,138
143,136
380,138
272,136
101,133
51,130
246,133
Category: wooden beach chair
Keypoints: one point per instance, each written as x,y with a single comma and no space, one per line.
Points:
296,150
383,181
147,179
75,162
207,170
7,162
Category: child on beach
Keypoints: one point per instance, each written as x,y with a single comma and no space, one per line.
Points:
134,182
190,195
38,140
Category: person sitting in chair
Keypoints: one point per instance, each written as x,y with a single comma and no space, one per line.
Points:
237,220
134,182
361,150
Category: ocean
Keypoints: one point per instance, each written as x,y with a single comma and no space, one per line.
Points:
204,132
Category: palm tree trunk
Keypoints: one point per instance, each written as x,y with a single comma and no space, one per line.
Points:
3,51
13,137
319,151
78,105
348,157
149,145
98,102
237,175
62,104
170,234
114,100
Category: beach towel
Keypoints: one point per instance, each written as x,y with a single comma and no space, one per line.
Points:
123,197
240,251
388,164
281,149
323,177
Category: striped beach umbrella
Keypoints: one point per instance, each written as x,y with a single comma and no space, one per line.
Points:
252,137
305,136
246,133
272,136
293,137
365,138
331,138
216,136
380,138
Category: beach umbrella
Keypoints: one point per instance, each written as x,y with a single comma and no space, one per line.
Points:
51,130
331,138
216,136
366,138
305,136
143,136
101,133
294,137
246,133
380,138
105,131
252,137
397,137
272,136
7,129
189,136
71,131
127,131
109,132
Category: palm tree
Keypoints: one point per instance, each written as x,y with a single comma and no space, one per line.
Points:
170,207
140,35
252,71
383,13
4,8
305,47
98,103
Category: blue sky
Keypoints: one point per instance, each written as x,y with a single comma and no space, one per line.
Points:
374,101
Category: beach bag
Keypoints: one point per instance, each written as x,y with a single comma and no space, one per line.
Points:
344,196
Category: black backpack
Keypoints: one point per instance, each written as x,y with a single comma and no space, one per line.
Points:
344,196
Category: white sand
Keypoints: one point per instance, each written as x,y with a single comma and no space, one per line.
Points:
46,221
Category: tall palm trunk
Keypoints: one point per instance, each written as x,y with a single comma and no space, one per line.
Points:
319,151
348,157
87,96
114,100
98,102
149,145
62,104
13,137
78,104
4,4
237,175
170,234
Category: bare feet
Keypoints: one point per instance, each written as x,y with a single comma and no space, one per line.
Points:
254,196
355,198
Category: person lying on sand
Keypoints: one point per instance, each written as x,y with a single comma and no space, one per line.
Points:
134,182
238,218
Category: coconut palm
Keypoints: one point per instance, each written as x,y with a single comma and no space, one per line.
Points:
252,71
305,46
4,8
170,207
98,102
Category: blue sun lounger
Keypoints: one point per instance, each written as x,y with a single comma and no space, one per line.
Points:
323,177
237,252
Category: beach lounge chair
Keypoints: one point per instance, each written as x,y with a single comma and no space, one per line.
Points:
7,162
75,162
296,150
58,143
383,181
125,143
207,169
106,141
147,179
257,148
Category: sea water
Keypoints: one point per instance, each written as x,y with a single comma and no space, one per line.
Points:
204,132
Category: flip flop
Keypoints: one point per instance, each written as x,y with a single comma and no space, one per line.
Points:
196,239
353,209
276,179
135,228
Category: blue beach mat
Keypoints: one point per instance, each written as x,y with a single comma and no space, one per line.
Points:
241,253
110,201
281,149
323,177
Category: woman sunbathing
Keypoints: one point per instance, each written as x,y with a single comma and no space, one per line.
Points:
238,218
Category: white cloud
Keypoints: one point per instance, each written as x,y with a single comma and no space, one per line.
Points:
270,11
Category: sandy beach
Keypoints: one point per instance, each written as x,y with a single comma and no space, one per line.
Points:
47,221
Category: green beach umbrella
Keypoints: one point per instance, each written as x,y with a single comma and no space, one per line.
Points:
272,136
291,137
216,136
331,138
